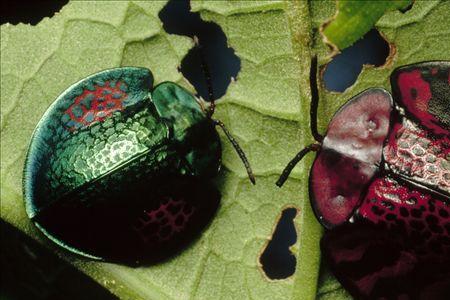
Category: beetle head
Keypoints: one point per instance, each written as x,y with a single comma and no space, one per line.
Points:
192,128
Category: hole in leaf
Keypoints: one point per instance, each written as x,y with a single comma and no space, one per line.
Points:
277,260
30,11
345,67
403,10
221,61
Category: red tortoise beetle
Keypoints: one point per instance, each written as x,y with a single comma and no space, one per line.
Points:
380,185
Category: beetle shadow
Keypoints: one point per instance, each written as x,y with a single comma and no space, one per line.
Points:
30,271
145,224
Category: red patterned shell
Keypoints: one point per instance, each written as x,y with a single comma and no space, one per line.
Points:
387,202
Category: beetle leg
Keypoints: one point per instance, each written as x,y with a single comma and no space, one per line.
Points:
314,100
208,79
238,149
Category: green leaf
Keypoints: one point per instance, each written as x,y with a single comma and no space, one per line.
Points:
265,108
353,19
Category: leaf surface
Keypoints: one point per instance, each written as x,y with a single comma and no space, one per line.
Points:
353,19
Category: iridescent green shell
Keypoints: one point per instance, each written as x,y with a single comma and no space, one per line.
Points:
109,130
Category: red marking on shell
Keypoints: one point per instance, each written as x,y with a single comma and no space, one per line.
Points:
423,216
105,100
161,224
415,94
410,82
337,182
414,153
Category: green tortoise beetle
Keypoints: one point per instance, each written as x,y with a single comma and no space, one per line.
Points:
109,152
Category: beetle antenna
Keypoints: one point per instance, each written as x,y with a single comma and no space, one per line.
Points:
208,79
314,100
238,149
219,123
290,166
313,124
